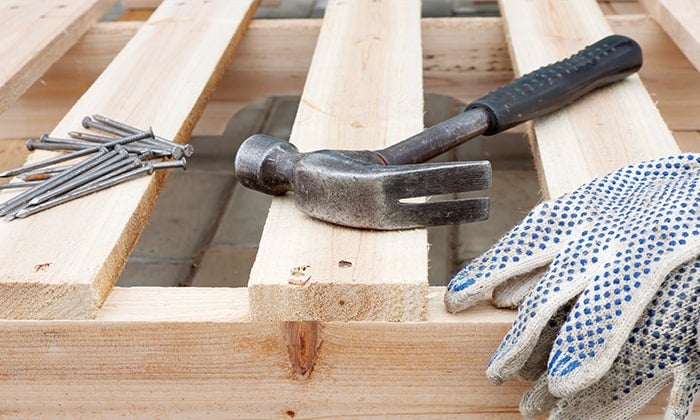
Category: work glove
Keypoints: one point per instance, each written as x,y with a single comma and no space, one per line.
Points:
662,349
603,252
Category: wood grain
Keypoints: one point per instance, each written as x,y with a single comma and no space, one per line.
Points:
36,33
607,129
188,352
62,263
274,57
681,21
363,91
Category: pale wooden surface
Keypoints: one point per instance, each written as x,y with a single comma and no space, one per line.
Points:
65,269
187,352
607,129
681,21
363,91
34,34
274,57
180,352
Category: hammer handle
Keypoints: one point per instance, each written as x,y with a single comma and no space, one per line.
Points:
533,95
552,87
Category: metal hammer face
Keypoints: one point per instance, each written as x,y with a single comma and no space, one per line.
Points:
356,189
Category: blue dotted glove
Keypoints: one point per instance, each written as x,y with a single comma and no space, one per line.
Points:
608,245
662,349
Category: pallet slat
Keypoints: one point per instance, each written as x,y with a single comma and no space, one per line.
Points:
461,57
34,34
63,262
363,91
184,352
607,129
681,21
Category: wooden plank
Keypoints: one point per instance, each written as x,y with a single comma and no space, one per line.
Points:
185,352
34,34
611,127
152,4
152,81
274,56
689,141
363,91
181,352
681,21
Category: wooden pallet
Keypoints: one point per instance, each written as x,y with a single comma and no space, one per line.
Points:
73,345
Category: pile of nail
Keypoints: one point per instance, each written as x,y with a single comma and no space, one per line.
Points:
119,153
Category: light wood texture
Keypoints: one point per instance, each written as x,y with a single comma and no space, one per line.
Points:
681,21
689,141
188,352
62,263
363,91
461,57
12,154
34,34
611,127
183,352
152,4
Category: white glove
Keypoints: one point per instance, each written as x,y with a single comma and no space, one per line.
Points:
662,349
609,246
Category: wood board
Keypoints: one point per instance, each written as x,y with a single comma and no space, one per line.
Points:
681,21
609,128
363,91
461,57
62,263
34,34
186,352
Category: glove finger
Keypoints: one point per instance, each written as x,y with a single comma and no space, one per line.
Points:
537,400
606,312
531,244
511,293
565,279
536,364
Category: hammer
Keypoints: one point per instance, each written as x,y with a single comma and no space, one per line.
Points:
370,189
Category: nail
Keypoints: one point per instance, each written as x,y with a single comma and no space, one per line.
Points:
144,169
187,149
19,200
175,151
73,144
114,162
147,168
41,174
143,145
180,163
76,154
23,184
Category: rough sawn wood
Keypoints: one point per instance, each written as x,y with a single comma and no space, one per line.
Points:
363,91
62,263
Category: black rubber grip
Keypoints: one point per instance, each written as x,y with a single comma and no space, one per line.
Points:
551,87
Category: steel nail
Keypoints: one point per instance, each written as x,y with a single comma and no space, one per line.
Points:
146,168
175,151
76,154
79,144
108,165
23,198
16,185
44,173
187,149
180,163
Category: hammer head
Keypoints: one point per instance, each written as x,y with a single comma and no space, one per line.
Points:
355,188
